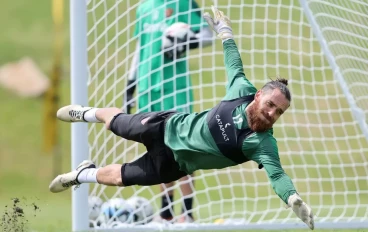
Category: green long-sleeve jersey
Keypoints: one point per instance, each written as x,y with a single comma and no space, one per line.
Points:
194,148
163,83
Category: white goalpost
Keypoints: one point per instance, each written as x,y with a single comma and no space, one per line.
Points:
320,46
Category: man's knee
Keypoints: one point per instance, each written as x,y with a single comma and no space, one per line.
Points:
108,123
116,177
119,180
113,111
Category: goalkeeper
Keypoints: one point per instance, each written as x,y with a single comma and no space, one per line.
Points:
158,69
237,130
160,73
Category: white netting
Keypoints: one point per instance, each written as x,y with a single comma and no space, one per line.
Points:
321,144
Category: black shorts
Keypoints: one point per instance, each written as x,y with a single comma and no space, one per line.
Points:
158,164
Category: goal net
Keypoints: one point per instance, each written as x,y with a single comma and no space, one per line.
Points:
320,46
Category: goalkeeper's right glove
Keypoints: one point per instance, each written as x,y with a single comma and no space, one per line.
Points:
301,209
221,24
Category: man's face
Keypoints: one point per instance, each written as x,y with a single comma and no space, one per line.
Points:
267,107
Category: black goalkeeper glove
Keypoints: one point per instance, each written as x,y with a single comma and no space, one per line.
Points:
175,47
129,95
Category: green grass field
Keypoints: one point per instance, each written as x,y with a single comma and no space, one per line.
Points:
25,170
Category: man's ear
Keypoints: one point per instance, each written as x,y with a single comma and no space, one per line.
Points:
258,94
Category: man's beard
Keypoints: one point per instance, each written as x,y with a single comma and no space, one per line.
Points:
254,121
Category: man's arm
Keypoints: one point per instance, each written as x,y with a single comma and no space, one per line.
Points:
284,188
267,155
280,181
221,24
267,151
233,62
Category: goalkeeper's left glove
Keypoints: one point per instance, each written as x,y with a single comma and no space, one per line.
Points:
221,24
301,209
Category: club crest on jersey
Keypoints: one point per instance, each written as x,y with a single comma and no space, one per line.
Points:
222,127
168,12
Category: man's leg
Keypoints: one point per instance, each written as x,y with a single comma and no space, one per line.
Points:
88,173
106,115
142,171
166,201
129,126
136,127
77,113
186,187
109,175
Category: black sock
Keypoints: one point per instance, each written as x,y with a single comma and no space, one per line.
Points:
166,200
187,207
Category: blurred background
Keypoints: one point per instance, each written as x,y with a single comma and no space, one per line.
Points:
27,164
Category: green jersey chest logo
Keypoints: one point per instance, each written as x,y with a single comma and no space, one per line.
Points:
238,119
222,127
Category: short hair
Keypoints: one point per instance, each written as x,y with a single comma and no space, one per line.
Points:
279,83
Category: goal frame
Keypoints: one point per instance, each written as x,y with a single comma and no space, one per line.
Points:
79,132
79,95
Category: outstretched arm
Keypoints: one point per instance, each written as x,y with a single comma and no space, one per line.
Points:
233,62
281,182
221,24
284,188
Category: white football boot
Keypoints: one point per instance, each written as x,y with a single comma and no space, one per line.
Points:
72,113
64,181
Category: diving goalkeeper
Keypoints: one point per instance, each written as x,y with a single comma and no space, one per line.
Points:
237,130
